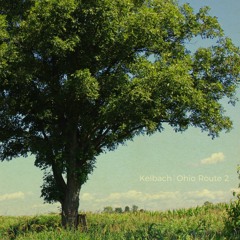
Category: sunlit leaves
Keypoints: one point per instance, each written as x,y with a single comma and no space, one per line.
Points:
49,20
81,85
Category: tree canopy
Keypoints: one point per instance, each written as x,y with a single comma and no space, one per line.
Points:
80,77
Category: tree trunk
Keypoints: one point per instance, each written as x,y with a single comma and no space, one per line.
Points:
70,202
70,205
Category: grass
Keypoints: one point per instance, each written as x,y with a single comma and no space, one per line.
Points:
206,222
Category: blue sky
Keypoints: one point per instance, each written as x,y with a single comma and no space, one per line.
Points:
164,171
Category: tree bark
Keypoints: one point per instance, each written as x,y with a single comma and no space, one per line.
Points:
70,205
70,202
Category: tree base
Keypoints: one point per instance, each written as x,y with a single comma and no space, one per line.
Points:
82,222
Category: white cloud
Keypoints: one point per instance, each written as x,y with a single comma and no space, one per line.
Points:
206,194
154,201
12,196
132,196
214,158
87,197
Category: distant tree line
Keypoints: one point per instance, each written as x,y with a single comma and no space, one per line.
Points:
109,209
134,208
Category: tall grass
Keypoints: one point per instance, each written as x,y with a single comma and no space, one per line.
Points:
206,222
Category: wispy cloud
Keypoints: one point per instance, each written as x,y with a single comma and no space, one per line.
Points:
87,197
138,196
214,158
12,196
206,194
154,201
160,196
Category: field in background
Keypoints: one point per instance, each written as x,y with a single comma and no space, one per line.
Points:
206,222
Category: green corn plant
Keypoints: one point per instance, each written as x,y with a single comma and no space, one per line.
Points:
232,224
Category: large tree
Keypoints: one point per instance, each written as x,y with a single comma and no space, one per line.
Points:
80,77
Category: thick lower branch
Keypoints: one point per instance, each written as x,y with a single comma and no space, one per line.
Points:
61,185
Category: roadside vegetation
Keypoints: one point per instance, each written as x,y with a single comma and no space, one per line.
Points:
210,221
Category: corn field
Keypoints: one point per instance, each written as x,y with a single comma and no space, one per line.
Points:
206,222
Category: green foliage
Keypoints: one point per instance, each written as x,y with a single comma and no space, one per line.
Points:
82,86
108,209
206,222
118,210
134,208
207,203
233,221
78,78
233,211
50,191
127,209
31,225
